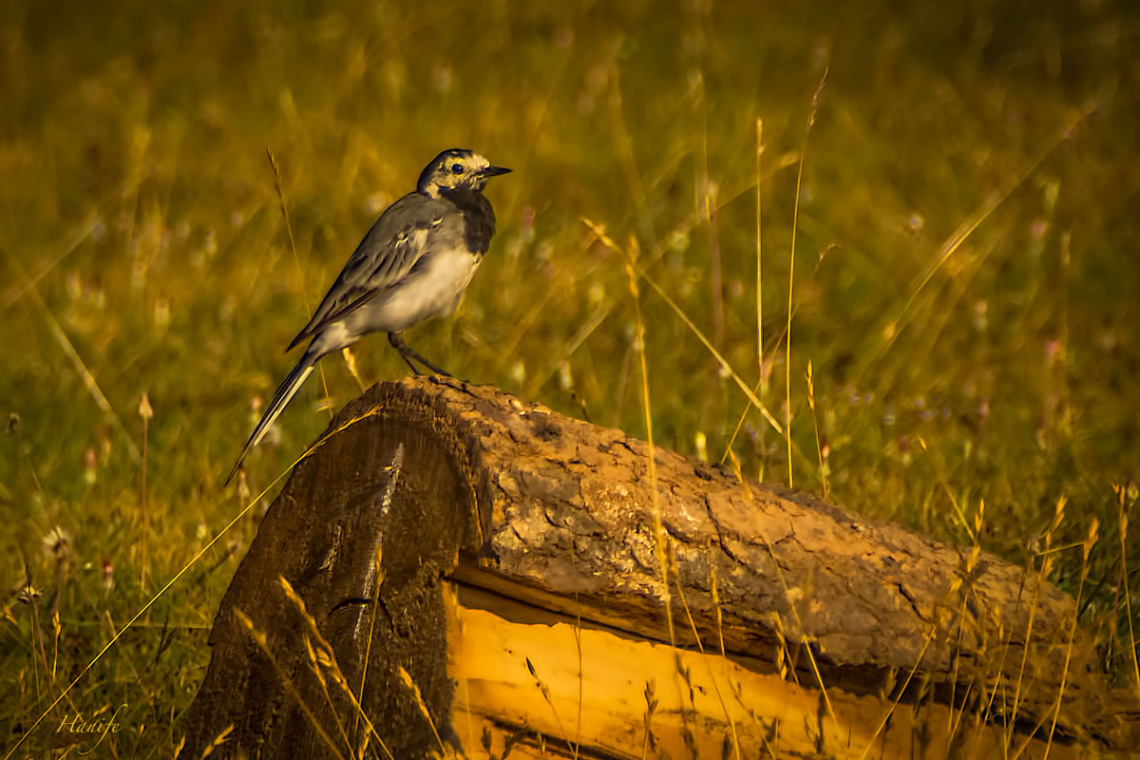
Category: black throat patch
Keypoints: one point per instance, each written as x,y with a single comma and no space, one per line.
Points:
478,217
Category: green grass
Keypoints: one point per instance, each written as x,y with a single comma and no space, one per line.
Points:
141,237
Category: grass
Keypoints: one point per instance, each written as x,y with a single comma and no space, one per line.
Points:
964,278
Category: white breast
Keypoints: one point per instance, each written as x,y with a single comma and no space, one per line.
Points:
434,290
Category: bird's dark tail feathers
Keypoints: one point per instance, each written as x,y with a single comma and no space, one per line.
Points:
281,399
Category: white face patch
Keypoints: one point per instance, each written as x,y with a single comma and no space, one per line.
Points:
459,171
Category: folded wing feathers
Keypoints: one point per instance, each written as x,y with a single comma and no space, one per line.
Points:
383,258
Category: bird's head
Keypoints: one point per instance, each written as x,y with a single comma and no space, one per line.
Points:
456,169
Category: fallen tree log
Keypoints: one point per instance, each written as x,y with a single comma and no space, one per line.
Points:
450,568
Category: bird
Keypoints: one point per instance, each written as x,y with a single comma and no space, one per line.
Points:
413,264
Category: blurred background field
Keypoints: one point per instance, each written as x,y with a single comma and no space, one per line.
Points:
966,280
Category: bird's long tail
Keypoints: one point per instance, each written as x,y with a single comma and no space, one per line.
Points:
285,393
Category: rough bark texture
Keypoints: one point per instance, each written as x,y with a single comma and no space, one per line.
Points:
558,516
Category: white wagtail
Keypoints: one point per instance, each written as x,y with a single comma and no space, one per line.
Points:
413,264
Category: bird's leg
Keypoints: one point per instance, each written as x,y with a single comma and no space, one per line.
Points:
406,352
399,344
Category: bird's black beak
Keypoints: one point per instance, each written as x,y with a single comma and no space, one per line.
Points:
493,171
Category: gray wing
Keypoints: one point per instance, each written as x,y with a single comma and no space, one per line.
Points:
384,257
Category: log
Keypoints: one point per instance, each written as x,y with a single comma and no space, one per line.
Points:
453,570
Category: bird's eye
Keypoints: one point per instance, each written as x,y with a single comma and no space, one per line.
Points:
457,168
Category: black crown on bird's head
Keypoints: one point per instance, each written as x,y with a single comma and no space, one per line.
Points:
456,169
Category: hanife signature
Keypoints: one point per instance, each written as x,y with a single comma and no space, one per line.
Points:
76,724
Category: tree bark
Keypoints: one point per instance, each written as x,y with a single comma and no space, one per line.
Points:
519,558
